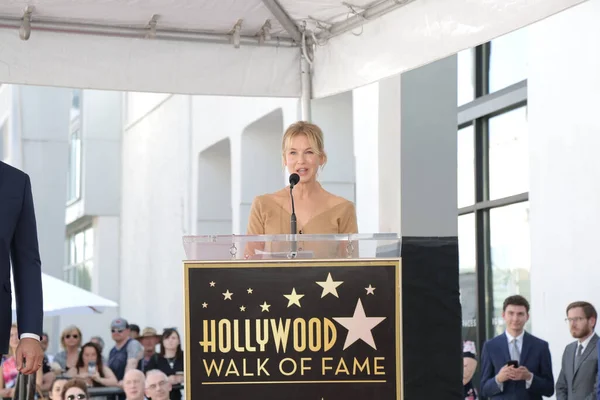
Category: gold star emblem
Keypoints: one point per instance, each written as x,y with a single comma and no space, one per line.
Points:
227,295
370,290
293,298
265,307
330,286
212,284
204,305
242,308
249,290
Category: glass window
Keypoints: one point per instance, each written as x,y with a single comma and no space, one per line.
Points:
509,154
510,254
80,250
466,167
467,275
466,76
508,60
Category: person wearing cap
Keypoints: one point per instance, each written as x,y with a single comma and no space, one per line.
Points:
149,339
126,353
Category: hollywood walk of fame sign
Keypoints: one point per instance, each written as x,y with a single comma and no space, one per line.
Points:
297,329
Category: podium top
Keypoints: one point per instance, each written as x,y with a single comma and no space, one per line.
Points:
260,247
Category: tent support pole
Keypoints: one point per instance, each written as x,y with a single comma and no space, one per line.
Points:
306,96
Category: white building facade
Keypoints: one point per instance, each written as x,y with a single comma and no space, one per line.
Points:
496,144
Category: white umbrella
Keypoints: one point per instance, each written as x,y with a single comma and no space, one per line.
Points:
62,298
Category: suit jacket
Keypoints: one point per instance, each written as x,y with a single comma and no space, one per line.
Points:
535,355
19,244
578,383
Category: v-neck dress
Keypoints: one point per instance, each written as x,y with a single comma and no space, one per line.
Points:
267,217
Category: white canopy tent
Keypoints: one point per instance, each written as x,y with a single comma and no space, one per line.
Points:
244,47
62,298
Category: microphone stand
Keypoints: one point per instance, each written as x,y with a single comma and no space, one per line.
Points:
293,226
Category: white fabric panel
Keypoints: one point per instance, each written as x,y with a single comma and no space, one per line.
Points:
148,66
417,34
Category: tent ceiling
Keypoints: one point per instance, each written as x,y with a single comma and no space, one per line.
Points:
102,43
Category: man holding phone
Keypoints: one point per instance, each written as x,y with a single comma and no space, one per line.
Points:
516,365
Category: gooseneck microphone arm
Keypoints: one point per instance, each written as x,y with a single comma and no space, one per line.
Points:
294,179
293,221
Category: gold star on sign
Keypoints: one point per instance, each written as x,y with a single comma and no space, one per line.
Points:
370,290
293,298
227,295
249,290
242,308
212,284
204,305
265,307
330,286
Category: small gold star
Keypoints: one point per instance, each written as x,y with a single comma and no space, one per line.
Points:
242,308
249,290
293,298
370,290
265,307
204,305
212,284
227,295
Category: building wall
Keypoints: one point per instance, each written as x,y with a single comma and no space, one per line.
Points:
563,86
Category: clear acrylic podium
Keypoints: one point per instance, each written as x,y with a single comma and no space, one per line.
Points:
257,247
246,295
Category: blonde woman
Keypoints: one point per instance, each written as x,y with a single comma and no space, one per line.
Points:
317,210
70,341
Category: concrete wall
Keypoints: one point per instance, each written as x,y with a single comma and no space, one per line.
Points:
564,134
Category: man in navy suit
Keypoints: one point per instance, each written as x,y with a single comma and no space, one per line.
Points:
19,244
501,378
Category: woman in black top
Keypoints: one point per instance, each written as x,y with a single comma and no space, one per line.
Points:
170,360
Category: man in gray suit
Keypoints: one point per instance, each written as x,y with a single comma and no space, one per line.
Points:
578,378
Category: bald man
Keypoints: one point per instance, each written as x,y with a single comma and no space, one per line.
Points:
133,384
157,385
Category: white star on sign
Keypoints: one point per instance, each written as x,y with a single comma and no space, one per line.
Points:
329,286
359,326
212,284
265,307
249,290
227,295
370,290
204,305
293,298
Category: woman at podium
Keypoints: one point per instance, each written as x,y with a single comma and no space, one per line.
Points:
317,211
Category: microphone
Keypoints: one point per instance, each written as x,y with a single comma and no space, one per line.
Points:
294,179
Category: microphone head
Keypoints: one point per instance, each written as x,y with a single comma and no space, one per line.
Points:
294,179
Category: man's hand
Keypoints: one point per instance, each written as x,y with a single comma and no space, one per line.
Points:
30,350
521,374
506,373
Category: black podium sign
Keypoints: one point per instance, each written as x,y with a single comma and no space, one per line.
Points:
295,329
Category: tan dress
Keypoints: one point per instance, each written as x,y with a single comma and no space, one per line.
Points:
268,217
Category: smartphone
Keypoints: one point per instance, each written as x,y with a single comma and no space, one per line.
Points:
91,368
513,363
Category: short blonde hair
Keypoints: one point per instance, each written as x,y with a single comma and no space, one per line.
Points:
69,329
313,133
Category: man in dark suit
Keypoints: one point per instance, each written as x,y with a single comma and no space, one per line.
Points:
516,365
19,243
579,372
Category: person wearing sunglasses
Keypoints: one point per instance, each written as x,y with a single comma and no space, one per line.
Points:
70,341
75,389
